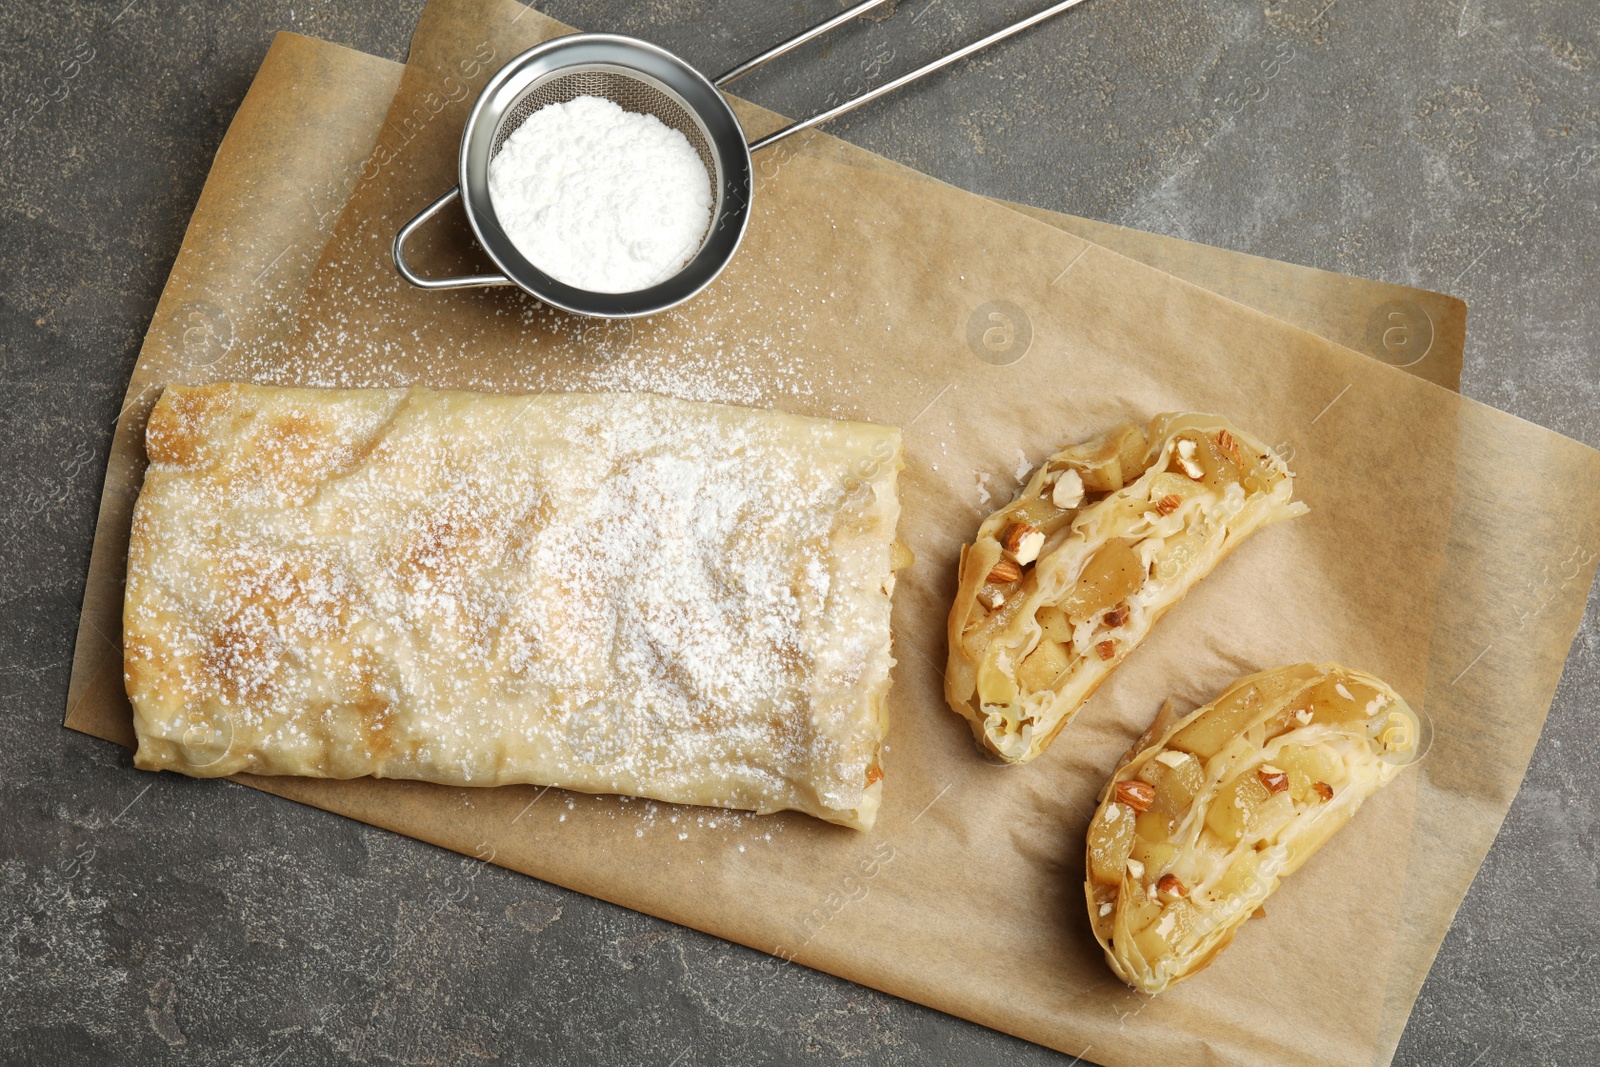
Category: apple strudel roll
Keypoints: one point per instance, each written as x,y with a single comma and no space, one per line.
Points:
606,593
1065,581
1209,813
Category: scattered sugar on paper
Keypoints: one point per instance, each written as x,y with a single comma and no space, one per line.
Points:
695,358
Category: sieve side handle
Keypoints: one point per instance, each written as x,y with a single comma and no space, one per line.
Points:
400,264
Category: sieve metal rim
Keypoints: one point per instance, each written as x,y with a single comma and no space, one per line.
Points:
658,69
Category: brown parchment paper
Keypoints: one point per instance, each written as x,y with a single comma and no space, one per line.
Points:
1449,551
1417,330
1421,331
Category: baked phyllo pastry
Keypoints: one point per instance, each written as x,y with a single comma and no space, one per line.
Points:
1066,580
605,593
1209,813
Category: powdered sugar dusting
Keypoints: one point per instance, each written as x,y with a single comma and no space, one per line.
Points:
607,593
607,200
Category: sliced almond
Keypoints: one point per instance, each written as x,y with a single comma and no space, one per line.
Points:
1005,572
1106,649
1169,503
1136,868
1169,888
991,598
1324,790
1136,794
1117,616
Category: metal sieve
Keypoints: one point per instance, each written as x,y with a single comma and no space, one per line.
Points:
643,78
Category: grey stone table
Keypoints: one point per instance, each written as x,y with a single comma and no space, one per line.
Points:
1449,144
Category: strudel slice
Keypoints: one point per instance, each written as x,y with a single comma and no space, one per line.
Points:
1211,812
1066,580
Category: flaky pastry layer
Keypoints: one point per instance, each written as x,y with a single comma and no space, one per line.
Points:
606,593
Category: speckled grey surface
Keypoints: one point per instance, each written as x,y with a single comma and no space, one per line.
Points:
1440,143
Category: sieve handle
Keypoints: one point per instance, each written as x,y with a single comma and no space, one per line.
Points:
795,42
907,79
418,280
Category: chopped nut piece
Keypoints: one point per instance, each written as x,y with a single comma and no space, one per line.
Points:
1186,449
1136,868
1137,795
1275,779
1170,888
1173,758
1324,790
1005,571
1117,616
1105,909
1230,448
1106,649
1259,913
991,598
1011,538
1023,541
1169,503
1068,490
